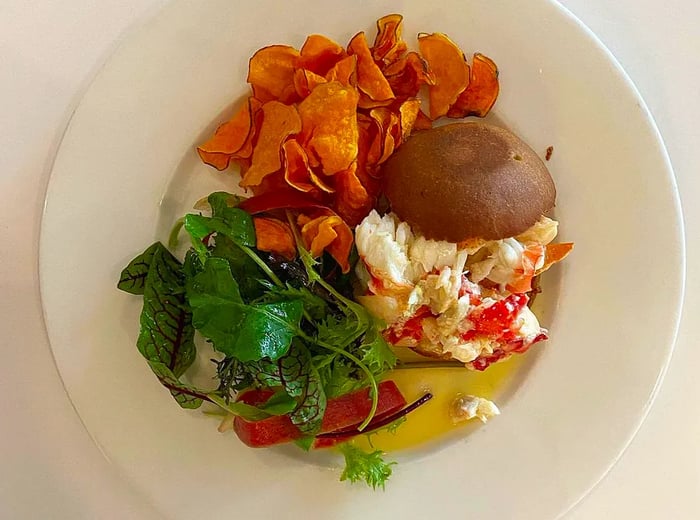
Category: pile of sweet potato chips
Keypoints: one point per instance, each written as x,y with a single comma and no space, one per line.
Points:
321,120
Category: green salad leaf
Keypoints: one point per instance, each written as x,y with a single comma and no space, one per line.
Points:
166,335
300,379
133,277
246,332
361,466
186,396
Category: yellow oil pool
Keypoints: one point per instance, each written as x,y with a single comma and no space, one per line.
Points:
433,419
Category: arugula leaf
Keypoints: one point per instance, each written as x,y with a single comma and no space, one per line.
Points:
166,335
133,277
296,374
246,332
186,396
367,467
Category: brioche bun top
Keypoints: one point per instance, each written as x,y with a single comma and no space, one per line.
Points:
468,180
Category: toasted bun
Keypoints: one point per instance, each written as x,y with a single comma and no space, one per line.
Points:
468,180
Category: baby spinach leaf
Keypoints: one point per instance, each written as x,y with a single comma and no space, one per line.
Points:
246,332
186,396
133,277
166,334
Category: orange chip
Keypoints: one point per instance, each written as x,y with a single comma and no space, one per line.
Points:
274,236
271,73
482,91
319,54
554,253
408,112
450,68
343,71
279,121
305,81
352,201
370,79
370,141
329,125
330,233
233,139
368,103
390,129
297,172
388,45
407,74
423,122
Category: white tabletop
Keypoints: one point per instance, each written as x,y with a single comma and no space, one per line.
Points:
48,52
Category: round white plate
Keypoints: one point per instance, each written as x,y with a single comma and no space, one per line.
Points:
127,167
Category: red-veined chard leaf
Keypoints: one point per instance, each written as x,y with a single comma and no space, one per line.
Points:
246,332
166,334
297,375
186,396
133,277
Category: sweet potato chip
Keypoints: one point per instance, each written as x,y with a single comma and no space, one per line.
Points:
370,142
271,73
329,125
343,71
423,122
330,233
352,201
233,139
305,81
390,130
554,253
408,112
407,74
482,91
297,172
279,121
319,54
388,45
274,236
450,68
370,79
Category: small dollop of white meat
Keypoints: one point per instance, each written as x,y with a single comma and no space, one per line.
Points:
467,407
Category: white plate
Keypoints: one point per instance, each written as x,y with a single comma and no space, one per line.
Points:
126,167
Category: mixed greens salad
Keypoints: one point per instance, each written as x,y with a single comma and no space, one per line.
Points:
288,327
